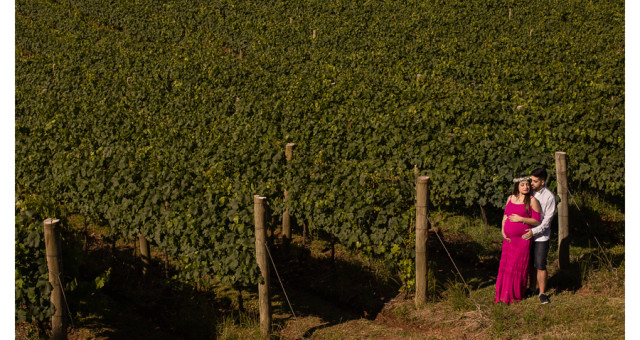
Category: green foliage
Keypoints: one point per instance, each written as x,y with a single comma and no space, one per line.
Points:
103,279
165,118
33,291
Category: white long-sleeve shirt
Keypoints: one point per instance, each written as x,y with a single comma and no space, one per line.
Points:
547,201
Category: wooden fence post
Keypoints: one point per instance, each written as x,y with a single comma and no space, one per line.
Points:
421,239
263,264
53,247
286,218
145,254
563,210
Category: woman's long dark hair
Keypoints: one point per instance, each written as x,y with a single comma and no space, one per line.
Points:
527,196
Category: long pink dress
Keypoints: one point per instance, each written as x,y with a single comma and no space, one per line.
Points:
514,262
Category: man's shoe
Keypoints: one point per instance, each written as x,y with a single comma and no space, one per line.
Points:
544,299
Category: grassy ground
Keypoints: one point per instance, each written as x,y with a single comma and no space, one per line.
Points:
352,297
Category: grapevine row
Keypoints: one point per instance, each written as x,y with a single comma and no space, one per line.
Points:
165,118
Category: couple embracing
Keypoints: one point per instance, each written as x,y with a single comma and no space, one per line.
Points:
525,231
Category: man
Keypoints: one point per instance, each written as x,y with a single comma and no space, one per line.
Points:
540,234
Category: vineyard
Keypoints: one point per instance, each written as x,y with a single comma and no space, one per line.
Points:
165,118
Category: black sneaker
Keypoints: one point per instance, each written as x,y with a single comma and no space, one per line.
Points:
543,299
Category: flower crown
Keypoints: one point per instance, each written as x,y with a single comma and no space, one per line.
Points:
520,179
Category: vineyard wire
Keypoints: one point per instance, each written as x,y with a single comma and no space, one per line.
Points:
590,230
455,266
65,299
283,290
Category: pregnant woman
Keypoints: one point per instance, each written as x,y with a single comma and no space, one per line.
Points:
520,214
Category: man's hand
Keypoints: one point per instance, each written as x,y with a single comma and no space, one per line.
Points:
515,218
528,235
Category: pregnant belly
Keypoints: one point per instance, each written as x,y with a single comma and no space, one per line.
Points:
513,229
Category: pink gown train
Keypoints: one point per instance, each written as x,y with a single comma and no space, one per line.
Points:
514,262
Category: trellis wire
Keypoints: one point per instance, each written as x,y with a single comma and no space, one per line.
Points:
283,290
65,299
456,267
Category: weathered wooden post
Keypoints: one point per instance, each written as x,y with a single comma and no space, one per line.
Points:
421,239
563,210
53,247
286,218
263,264
145,254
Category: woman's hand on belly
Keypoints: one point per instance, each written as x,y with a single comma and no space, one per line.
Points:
505,237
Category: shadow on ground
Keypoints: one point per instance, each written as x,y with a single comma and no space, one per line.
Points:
334,290
340,290
135,306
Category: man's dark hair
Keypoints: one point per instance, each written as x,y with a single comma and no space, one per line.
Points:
540,173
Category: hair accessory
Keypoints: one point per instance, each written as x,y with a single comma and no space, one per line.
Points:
520,179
